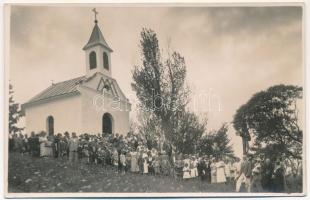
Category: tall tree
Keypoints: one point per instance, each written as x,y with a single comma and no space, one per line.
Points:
216,143
160,83
15,113
272,117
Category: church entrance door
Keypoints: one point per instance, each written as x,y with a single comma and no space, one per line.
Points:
107,123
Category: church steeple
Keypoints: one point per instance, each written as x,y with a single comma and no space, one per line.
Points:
97,52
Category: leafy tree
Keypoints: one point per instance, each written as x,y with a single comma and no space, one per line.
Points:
160,84
15,113
271,116
216,143
148,127
189,131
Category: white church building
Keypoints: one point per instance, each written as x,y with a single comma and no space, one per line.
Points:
93,103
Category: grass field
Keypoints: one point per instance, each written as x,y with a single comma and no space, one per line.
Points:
27,174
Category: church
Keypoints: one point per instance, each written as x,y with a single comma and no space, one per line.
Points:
93,103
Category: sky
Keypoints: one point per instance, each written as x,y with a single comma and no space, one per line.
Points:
230,52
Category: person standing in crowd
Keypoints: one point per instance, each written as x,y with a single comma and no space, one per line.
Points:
208,168
140,161
195,164
32,144
56,145
26,144
11,142
232,171
220,171
122,160
49,146
73,148
202,168
150,162
278,182
178,167
156,166
213,170
20,144
67,139
128,160
145,162
115,160
63,146
267,172
244,175
186,171
164,164
228,170
256,185
236,166
134,161
43,141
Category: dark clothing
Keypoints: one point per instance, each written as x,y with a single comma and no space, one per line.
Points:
208,172
11,144
34,146
278,182
56,147
202,168
267,171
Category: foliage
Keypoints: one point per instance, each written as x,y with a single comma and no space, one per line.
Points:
15,113
216,143
272,117
148,126
160,84
188,132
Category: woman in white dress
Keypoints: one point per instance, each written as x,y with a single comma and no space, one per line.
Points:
220,171
193,167
213,171
145,163
43,141
134,162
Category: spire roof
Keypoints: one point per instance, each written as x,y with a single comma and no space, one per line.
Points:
96,38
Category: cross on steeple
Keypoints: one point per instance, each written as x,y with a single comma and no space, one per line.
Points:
96,13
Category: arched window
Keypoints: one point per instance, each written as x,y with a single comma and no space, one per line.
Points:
105,61
50,125
92,60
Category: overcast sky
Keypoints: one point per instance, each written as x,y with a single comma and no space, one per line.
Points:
230,52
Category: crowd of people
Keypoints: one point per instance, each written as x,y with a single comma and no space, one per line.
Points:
133,154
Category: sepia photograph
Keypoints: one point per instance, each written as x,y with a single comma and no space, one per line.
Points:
154,100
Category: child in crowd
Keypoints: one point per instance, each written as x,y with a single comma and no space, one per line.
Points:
122,160
186,171
115,160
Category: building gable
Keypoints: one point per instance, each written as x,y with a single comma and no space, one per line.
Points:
102,83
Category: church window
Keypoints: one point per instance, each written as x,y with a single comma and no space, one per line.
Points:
50,125
92,60
105,61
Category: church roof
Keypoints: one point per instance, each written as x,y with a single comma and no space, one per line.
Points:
96,38
70,87
57,89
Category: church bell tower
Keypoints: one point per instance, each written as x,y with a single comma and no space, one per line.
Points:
98,52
